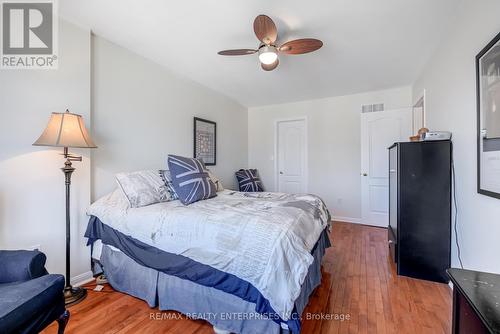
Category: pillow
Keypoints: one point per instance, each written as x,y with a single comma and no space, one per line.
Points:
216,181
190,179
167,179
143,188
249,180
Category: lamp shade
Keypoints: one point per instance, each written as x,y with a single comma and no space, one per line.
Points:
65,130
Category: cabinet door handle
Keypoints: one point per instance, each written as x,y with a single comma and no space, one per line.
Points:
392,171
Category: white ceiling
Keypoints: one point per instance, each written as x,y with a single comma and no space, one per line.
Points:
368,44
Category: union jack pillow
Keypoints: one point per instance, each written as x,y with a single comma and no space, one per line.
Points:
249,180
190,179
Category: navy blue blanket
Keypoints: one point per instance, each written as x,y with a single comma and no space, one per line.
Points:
185,268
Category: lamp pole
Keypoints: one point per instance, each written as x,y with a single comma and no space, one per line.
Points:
71,295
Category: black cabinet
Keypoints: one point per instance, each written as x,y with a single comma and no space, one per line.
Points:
419,230
476,296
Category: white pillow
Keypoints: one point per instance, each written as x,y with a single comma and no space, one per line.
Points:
143,188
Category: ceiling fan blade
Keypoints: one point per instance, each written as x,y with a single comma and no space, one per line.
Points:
237,52
299,46
265,29
270,67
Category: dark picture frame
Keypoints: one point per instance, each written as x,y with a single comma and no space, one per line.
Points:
487,95
205,141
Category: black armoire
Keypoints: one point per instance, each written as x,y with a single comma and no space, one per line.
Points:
419,230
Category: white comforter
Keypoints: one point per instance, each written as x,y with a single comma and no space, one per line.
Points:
263,238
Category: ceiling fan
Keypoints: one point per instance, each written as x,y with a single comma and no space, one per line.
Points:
266,32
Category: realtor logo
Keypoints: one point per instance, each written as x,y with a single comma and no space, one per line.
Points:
29,34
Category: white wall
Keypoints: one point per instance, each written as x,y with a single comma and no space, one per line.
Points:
449,81
32,201
333,144
142,112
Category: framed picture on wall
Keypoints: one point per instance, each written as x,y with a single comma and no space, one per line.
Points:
488,119
205,141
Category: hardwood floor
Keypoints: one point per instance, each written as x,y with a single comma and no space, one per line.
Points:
359,285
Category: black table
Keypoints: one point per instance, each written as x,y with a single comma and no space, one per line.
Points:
476,301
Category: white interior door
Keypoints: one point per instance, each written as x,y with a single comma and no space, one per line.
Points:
379,130
291,166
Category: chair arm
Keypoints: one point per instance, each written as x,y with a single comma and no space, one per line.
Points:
21,265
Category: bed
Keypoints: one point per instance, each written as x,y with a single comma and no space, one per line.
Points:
245,262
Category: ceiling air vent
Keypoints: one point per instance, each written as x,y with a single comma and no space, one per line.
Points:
372,107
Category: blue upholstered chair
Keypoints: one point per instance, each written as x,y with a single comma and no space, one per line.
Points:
30,298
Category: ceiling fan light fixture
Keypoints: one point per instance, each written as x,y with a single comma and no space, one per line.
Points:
268,54
266,32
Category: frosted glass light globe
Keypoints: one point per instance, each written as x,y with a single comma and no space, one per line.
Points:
268,54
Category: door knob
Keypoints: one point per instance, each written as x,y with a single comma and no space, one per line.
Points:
281,172
364,174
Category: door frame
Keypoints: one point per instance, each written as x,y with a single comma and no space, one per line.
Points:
306,153
421,99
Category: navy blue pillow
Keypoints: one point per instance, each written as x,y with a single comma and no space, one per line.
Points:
190,179
249,180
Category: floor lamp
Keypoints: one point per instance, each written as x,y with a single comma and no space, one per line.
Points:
67,130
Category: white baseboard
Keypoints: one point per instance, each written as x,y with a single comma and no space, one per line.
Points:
347,219
82,278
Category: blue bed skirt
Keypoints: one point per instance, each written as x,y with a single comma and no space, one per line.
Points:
172,267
